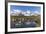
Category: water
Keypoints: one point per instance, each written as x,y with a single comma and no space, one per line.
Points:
23,25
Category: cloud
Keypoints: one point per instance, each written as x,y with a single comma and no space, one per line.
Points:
16,10
28,11
25,13
36,12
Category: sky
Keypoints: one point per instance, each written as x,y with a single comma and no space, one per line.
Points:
33,9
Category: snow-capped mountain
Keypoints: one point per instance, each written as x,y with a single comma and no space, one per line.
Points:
24,13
